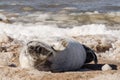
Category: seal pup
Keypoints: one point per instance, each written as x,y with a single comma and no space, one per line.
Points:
65,55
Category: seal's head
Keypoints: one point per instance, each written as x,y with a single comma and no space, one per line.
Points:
39,50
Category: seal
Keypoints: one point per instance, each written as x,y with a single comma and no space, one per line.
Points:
64,55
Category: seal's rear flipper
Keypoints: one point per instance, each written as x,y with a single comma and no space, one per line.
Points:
60,45
90,55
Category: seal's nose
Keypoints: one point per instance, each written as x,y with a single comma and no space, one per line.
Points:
31,48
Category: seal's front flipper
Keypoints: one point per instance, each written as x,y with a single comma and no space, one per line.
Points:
60,45
90,55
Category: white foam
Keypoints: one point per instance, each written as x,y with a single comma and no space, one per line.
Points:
34,31
89,30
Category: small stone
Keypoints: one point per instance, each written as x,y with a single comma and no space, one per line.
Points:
106,67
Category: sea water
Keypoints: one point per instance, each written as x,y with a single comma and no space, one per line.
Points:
62,18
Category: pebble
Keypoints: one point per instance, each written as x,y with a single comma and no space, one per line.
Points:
106,67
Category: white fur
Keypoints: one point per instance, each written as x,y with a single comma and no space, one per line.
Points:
26,61
60,45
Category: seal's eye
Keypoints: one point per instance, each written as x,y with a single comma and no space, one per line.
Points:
31,47
38,49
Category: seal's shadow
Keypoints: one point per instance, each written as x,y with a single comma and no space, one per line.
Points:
89,67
